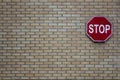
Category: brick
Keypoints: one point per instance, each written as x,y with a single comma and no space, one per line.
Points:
46,39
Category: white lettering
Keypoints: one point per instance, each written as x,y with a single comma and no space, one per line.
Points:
107,28
96,30
101,29
91,30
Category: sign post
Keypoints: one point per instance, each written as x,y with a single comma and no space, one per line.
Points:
99,29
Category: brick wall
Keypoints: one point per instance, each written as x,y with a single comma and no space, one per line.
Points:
45,39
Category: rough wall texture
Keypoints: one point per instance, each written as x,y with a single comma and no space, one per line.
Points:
45,39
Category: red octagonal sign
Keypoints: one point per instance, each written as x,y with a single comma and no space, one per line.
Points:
99,29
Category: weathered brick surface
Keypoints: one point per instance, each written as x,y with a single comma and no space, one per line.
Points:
45,39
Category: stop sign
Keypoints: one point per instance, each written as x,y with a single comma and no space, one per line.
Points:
99,29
